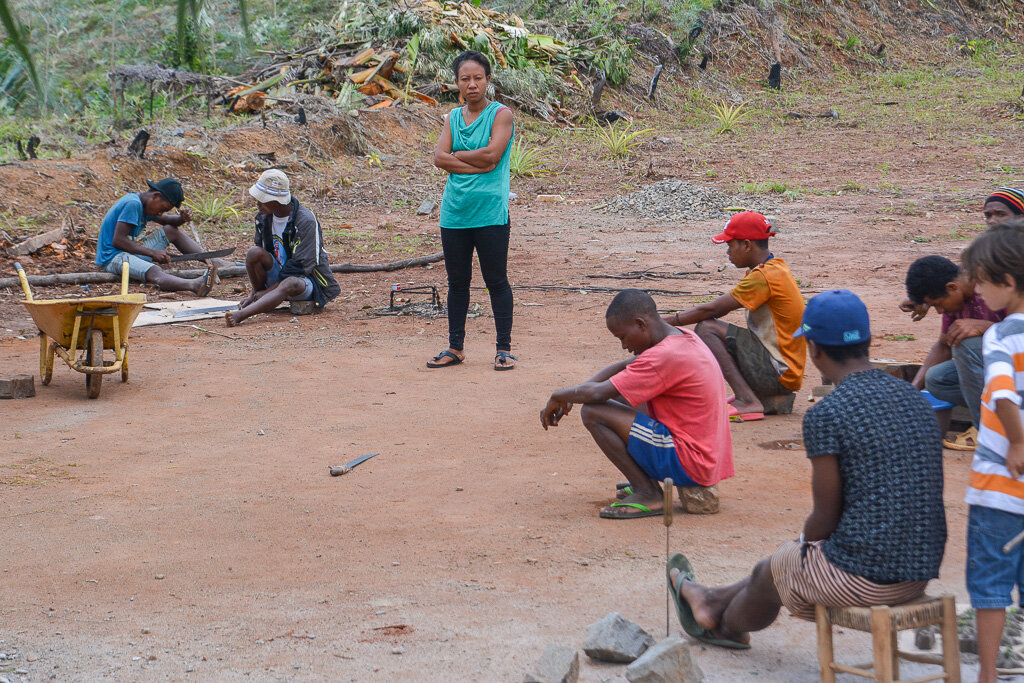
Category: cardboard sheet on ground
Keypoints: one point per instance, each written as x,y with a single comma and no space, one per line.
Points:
163,312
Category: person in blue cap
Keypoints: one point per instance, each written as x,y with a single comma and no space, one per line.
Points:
125,221
877,530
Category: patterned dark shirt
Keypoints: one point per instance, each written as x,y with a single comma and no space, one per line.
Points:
893,525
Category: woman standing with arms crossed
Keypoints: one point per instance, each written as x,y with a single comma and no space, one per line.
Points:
474,147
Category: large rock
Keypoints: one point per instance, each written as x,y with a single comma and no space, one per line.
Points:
557,665
616,639
668,661
699,500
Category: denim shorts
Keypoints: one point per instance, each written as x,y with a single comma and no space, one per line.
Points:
651,446
274,276
992,574
138,265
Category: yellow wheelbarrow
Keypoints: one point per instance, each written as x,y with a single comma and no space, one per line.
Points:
84,327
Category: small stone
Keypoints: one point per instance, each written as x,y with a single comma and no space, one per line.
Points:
260,432
668,661
616,639
397,651
135,659
18,386
426,208
557,665
151,658
21,672
160,577
924,638
700,500
294,320
32,657
394,564
146,631
301,308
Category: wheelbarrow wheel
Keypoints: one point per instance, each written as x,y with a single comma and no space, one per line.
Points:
45,359
124,366
93,383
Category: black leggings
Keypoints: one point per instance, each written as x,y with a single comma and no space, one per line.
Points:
491,244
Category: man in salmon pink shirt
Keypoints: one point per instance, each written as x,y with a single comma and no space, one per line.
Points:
661,414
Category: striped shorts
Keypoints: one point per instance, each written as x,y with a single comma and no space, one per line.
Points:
804,578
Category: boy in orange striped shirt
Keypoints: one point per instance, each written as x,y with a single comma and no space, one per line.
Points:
996,489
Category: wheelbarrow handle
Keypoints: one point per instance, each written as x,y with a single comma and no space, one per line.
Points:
24,282
124,276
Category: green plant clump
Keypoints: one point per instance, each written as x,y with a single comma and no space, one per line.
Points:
619,141
528,161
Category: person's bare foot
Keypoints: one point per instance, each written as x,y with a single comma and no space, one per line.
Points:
251,299
232,318
699,599
745,407
652,503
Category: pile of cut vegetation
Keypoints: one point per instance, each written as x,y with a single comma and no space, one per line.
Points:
381,54
674,200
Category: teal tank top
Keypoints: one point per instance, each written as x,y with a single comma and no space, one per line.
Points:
476,200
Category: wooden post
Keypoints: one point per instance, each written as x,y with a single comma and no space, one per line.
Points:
825,652
950,640
881,636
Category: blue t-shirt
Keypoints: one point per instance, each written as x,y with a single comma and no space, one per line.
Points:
127,209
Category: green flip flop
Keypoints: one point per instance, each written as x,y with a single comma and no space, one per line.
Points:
644,511
685,612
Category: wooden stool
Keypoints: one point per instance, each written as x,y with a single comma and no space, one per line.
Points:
884,623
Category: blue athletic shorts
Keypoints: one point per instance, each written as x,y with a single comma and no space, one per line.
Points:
651,446
991,574
274,276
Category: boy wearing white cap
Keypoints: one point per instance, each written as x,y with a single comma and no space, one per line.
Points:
288,261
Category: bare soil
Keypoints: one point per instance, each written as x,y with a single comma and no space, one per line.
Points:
184,524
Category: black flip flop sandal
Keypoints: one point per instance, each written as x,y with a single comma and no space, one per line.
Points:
433,362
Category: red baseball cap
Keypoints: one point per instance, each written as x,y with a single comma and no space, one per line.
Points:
745,225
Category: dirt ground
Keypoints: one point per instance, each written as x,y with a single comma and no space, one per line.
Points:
184,524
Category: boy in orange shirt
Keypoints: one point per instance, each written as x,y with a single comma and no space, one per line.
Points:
763,362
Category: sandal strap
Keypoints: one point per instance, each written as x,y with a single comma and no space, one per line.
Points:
503,355
444,353
639,506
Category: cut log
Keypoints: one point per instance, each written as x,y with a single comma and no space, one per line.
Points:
34,244
230,271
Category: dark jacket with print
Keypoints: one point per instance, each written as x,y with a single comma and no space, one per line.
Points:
304,245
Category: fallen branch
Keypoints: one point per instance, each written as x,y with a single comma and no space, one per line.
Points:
230,271
649,275
583,289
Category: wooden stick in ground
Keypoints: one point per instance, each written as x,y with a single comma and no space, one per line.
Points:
667,485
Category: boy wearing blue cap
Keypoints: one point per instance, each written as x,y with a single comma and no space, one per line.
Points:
126,220
877,532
